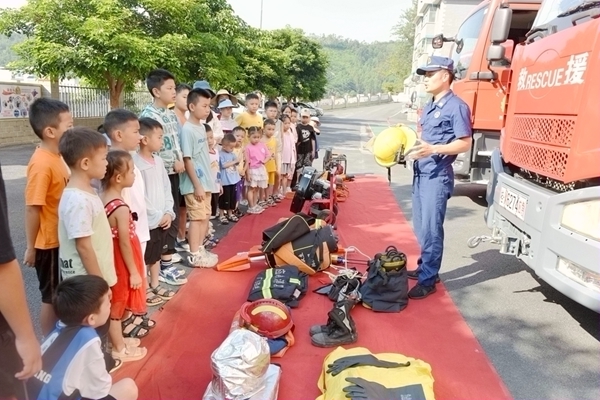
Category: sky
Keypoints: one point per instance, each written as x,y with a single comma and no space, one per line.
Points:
369,21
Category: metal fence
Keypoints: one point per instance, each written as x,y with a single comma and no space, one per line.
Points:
86,102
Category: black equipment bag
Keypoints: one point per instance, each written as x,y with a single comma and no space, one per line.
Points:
285,283
385,290
286,231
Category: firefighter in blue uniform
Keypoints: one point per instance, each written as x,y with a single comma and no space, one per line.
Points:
445,132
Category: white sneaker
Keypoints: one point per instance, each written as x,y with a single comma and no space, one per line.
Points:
171,277
255,210
244,202
182,245
203,259
176,258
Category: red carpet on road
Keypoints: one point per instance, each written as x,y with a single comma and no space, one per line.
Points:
198,319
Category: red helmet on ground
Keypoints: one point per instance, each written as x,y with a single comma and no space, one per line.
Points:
267,317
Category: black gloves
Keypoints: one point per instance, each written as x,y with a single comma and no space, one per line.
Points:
363,389
355,361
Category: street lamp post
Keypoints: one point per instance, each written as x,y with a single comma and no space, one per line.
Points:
261,13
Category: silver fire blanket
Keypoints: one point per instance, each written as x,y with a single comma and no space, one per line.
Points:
239,367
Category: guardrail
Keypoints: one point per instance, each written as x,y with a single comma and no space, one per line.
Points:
87,102
359,100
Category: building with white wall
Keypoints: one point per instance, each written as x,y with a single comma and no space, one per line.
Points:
434,17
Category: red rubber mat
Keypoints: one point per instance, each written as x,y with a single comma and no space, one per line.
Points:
197,320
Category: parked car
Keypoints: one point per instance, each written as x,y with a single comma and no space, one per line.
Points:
318,112
314,111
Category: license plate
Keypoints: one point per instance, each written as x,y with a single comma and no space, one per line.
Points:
513,202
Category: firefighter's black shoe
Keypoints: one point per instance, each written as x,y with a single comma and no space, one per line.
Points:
414,275
340,328
322,328
419,292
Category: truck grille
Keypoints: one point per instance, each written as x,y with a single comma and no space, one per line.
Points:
556,131
541,144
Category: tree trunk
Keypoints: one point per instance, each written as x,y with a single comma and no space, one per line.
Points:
115,88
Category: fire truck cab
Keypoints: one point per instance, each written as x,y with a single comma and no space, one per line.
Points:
481,84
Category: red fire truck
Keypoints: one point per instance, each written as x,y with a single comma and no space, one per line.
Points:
544,191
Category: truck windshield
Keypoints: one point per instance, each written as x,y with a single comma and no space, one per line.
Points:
551,10
465,42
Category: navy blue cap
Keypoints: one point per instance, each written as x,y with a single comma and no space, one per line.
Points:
204,85
435,63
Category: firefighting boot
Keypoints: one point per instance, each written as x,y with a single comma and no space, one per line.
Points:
340,328
343,288
331,324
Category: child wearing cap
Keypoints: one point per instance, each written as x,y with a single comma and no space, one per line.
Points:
226,116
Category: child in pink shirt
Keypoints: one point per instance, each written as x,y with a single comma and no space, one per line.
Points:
257,155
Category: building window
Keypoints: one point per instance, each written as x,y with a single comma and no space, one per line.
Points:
431,14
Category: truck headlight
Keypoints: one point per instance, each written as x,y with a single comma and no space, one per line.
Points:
583,218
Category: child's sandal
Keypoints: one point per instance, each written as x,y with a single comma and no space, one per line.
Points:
163,293
233,218
223,220
134,331
139,320
152,299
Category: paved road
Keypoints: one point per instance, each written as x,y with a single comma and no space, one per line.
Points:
543,345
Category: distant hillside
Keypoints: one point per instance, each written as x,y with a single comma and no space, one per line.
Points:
358,67
6,53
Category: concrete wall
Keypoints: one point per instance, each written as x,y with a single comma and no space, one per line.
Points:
17,131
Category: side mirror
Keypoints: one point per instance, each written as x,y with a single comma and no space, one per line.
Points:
509,47
501,25
496,52
438,41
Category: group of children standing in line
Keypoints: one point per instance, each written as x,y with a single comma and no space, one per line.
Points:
116,206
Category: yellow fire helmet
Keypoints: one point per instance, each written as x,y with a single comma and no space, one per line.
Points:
390,142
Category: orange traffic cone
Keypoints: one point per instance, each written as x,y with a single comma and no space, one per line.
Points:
242,261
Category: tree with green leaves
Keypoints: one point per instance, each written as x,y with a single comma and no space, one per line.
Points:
114,43
305,64
400,64
261,67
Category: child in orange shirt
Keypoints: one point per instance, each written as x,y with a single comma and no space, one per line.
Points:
47,176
